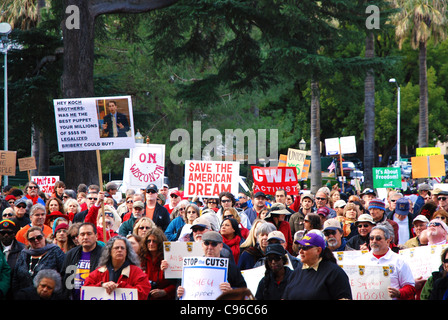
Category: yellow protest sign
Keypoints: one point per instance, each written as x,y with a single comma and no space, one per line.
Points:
296,158
420,152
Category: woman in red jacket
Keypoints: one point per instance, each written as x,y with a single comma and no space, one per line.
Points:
151,256
119,268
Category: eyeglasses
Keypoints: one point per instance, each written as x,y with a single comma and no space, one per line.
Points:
92,198
151,241
363,225
6,232
393,200
7,214
434,224
210,243
329,233
38,238
273,257
181,209
129,201
228,216
21,206
144,228
138,209
173,195
317,198
33,187
441,198
151,191
212,202
306,248
225,200
445,261
198,229
11,202
377,238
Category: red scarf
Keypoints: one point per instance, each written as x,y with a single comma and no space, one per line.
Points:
34,199
234,245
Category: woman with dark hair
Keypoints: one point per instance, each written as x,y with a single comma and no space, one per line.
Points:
276,277
151,256
119,268
320,278
231,234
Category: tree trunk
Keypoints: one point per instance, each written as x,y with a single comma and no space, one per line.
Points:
423,131
77,78
316,173
369,116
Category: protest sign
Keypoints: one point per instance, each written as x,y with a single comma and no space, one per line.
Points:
99,293
428,166
146,165
423,260
26,164
348,257
84,124
296,158
210,178
420,152
368,282
201,277
253,277
8,163
271,179
388,177
45,183
174,252
342,145
305,170
282,160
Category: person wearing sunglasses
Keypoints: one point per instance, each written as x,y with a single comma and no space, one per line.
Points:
402,283
320,278
32,193
151,256
361,241
437,232
442,199
39,256
276,277
377,209
436,286
159,214
21,210
212,244
127,226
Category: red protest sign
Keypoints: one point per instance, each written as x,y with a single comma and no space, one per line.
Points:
271,179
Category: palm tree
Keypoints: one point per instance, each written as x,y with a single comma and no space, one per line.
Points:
421,20
316,173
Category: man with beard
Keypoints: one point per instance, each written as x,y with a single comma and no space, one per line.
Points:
402,284
437,232
333,235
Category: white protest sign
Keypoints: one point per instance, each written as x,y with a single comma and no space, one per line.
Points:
368,282
210,178
296,158
99,293
423,260
201,277
253,277
84,124
348,257
347,145
45,183
146,165
174,252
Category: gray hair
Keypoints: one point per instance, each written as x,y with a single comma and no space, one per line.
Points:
48,274
36,207
265,228
388,232
130,253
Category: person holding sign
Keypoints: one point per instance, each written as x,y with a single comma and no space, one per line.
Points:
212,244
119,268
320,278
402,281
151,256
115,123
436,287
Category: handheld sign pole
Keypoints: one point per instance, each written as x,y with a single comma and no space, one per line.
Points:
100,178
